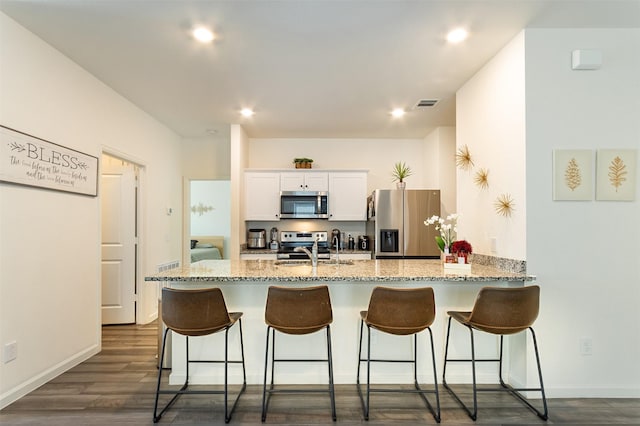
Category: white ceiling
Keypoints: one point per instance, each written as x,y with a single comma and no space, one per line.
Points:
312,68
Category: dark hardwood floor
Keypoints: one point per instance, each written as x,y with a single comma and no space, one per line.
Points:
116,387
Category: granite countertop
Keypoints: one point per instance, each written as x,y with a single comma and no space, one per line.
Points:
382,270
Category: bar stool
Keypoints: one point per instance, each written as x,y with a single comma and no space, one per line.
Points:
499,311
198,313
401,312
297,311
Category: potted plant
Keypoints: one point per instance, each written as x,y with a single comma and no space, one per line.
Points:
302,163
400,172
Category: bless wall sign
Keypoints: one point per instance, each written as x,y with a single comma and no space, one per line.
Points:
28,160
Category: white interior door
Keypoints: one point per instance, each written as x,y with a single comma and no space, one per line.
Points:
118,194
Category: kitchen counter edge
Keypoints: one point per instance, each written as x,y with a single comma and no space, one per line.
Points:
364,271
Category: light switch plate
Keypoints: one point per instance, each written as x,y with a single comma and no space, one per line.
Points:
10,352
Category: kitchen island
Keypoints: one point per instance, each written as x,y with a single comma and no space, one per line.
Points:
244,284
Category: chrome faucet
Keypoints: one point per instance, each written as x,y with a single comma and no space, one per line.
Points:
336,243
313,254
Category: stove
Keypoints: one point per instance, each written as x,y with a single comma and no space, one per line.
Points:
289,240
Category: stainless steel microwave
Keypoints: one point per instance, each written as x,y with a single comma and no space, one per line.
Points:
304,205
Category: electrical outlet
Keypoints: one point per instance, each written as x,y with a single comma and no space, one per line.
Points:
494,244
10,352
586,346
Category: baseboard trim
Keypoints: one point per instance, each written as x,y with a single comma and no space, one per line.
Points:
35,382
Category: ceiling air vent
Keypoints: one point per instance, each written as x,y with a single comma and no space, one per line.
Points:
425,103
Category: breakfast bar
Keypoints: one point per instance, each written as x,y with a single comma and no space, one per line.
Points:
244,284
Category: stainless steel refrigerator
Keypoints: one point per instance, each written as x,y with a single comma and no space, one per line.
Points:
396,223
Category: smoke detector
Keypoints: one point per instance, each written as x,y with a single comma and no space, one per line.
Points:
425,103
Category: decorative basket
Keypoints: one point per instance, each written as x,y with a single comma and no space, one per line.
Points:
457,268
305,165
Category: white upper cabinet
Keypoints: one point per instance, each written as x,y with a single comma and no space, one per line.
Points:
262,195
348,196
304,181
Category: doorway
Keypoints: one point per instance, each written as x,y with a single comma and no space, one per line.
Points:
119,243
207,211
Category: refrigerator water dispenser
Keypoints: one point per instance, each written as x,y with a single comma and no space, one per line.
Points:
389,240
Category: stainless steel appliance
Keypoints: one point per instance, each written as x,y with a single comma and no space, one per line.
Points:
274,245
256,239
289,240
364,243
304,205
396,223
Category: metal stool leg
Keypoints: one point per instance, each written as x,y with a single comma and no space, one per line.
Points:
544,415
472,414
503,385
365,405
332,394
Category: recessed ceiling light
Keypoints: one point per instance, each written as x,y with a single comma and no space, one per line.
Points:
398,112
247,112
457,35
203,35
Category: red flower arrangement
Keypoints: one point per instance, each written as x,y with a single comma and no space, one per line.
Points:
461,246
461,249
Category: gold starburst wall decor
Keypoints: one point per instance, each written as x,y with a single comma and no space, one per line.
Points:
463,158
482,178
504,205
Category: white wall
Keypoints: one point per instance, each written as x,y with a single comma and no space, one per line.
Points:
50,241
239,161
490,113
439,166
586,254
207,157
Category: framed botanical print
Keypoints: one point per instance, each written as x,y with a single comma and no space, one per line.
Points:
616,174
573,174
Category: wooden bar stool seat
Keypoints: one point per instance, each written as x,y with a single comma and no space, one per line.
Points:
401,312
297,311
499,311
194,313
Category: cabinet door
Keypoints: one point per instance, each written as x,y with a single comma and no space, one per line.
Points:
316,181
291,181
262,196
304,181
348,196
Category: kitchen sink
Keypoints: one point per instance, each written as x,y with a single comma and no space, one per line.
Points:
297,262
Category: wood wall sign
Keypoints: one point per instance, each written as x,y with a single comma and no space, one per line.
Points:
29,160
